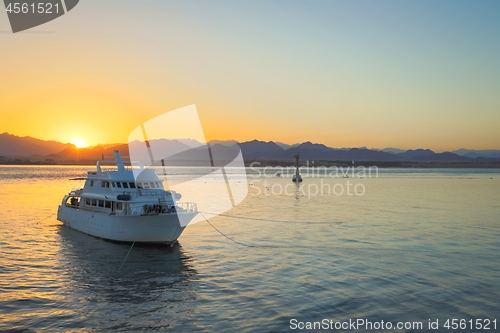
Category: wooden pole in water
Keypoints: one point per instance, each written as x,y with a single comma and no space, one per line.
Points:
297,165
297,177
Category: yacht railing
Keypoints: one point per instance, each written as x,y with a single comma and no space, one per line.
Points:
148,209
187,206
148,193
153,193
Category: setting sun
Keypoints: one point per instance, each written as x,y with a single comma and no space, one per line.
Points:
79,143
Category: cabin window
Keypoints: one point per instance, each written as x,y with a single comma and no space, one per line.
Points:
131,185
102,184
91,183
114,184
107,184
101,203
118,184
87,202
146,185
119,206
152,185
94,202
125,185
107,204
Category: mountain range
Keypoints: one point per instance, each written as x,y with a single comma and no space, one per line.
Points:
15,147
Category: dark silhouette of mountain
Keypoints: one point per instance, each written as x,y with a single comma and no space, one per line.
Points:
161,149
228,143
256,146
107,145
409,154
16,146
357,154
136,148
427,155
441,157
219,155
308,145
478,153
286,146
222,152
171,151
90,154
311,151
74,153
392,150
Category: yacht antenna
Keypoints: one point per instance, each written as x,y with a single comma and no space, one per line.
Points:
119,161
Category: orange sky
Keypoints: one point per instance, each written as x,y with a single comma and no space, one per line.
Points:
339,75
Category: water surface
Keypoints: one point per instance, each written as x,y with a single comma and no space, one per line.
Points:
419,244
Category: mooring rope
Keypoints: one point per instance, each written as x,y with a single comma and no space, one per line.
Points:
271,220
46,217
220,232
127,255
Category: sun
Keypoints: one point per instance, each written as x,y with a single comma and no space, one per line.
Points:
79,142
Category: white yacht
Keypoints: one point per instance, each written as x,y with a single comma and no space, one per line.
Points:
115,205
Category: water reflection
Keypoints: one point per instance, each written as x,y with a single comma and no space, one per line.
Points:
159,281
297,193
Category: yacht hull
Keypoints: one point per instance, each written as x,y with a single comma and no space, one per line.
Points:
160,228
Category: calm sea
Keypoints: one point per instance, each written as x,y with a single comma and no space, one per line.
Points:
411,245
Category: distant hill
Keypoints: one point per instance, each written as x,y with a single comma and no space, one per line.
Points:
477,153
309,145
189,150
392,150
260,147
441,157
107,145
427,155
410,154
259,150
228,143
88,154
16,146
285,145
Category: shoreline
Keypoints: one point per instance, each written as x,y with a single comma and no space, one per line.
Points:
270,163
